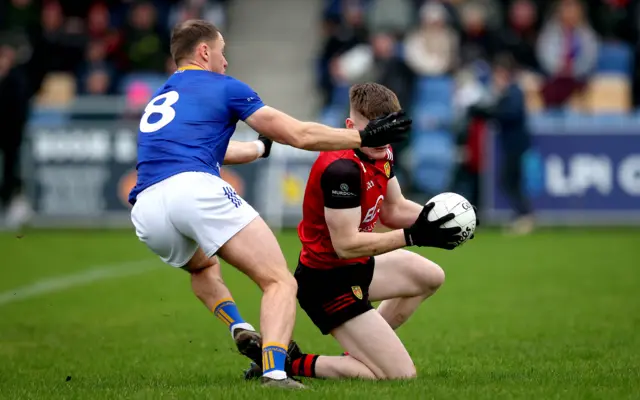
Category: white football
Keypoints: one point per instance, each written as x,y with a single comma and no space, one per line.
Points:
463,210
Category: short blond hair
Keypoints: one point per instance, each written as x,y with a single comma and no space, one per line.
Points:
187,35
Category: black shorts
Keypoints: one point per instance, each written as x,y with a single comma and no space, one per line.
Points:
331,297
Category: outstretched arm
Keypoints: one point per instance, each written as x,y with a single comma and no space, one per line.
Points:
245,104
285,129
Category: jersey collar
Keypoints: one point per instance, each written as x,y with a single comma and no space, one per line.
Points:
191,67
363,156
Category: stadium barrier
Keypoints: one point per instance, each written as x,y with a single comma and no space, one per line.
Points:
582,172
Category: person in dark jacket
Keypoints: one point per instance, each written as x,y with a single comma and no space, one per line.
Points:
508,112
14,101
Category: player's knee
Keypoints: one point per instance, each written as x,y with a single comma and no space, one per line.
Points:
366,373
209,273
290,283
399,371
431,276
200,262
437,277
280,278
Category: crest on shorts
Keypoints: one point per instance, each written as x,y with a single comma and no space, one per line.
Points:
387,169
357,291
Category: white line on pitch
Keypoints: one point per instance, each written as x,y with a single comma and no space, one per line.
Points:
62,283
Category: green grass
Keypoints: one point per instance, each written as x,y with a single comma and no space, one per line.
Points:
552,316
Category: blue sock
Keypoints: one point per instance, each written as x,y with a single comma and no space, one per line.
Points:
274,356
227,312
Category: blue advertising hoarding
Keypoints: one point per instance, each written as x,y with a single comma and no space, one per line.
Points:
573,177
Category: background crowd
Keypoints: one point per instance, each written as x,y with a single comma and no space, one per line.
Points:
455,65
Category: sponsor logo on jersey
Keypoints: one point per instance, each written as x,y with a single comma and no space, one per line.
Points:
343,192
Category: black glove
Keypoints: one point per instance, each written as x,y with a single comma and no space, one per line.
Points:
267,145
425,233
391,128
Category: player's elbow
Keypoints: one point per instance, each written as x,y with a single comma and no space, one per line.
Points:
346,251
387,221
297,138
390,219
344,254
300,141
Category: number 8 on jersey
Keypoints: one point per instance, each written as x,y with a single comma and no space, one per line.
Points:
165,109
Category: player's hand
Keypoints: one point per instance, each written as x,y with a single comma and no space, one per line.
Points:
425,233
391,128
267,145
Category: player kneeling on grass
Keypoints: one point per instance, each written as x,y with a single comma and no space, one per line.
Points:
344,266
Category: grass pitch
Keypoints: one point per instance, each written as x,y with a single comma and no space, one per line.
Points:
94,315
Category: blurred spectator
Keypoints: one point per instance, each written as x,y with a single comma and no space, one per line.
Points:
629,30
507,110
520,36
97,82
451,7
353,66
492,11
469,132
433,48
144,44
391,71
567,50
96,63
389,16
341,35
61,37
212,11
14,103
635,39
610,18
378,62
19,15
479,41
99,28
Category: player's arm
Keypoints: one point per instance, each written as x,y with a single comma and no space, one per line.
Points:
341,190
348,242
398,212
246,152
341,185
285,129
247,106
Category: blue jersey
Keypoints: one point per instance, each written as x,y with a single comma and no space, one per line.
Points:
187,125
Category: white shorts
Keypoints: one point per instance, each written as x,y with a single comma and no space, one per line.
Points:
186,211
